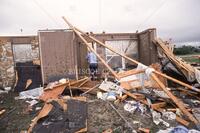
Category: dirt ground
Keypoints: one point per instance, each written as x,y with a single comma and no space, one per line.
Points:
101,116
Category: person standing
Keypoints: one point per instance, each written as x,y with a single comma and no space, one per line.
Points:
93,65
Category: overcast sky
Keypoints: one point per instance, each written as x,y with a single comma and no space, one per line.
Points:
176,19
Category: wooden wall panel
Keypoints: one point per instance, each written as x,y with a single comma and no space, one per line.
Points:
147,50
57,54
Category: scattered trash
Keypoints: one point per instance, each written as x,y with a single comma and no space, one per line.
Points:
62,81
111,96
132,106
169,115
38,108
110,87
32,94
3,91
52,84
157,119
32,102
146,86
7,89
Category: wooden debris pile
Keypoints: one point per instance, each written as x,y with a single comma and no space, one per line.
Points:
155,80
146,85
183,67
72,111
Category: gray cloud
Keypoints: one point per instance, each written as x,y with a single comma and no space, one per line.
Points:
178,19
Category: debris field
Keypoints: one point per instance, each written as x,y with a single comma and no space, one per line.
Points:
161,97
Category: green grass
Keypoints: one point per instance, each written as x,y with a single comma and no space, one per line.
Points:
191,59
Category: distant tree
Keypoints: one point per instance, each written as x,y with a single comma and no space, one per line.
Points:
186,50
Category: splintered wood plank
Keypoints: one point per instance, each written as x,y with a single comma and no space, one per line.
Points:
52,93
44,112
158,105
130,72
177,101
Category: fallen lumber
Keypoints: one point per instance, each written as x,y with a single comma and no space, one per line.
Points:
120,99
90,90
28,83
152,75
129,73
57,90
134,61
44,112
88,45
178,119
176,100
186,69
158,105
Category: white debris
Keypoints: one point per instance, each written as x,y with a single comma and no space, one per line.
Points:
157,119
110,86
32,94
7,88
52,84
111,96
62,81
132,106
166,130
38,108
169,115
32,102
101,95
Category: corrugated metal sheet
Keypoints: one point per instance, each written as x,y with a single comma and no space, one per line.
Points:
57,54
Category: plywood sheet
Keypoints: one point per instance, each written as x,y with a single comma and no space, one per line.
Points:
57,54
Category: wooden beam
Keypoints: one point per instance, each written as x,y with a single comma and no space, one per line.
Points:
130,72
158,105
136,62
88,45
178,102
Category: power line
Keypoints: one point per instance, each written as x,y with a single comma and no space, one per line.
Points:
48,14
153,13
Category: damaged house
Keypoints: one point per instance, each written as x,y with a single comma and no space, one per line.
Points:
60,53
136,89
